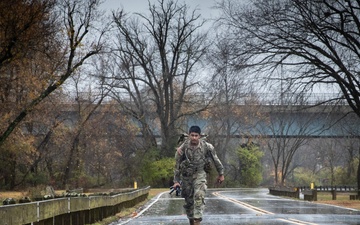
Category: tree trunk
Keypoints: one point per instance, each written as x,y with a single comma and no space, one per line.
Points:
12,174
169,139
276,174
69,164
358,176
149,138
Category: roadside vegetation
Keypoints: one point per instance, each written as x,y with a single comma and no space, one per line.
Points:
341,200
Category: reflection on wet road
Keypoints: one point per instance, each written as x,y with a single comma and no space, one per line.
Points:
244,206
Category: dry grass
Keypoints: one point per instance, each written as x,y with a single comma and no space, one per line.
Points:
156,191
342,199
353,204
16,195
20,194
12,194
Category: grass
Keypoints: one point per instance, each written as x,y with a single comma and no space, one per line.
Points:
12,194
326,196
342,199
20,194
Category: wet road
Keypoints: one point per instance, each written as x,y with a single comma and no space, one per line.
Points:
243,206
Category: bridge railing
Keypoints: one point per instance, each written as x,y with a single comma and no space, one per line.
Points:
263,98
70,210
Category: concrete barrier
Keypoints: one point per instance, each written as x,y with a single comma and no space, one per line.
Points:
70,210
285,191
310,195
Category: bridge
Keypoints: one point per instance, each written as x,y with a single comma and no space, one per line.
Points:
264,120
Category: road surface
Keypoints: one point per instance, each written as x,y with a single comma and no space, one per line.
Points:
243,206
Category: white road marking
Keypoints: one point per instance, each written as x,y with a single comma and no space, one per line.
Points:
262,211
142,211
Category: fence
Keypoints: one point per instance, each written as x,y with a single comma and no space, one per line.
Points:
70,211
311,194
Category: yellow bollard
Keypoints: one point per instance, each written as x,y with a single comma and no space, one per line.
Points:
311,185
135,185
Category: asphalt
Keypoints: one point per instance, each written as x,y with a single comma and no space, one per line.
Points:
243,206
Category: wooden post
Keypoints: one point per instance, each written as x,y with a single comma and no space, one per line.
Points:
314,193
333,192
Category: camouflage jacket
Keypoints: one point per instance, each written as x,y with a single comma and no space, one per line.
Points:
196,160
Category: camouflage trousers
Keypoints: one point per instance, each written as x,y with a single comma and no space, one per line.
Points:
193,189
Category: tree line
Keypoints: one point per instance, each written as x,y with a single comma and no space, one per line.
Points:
151,67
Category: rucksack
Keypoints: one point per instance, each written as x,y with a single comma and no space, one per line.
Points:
183,137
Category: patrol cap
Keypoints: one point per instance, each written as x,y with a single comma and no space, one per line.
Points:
195,129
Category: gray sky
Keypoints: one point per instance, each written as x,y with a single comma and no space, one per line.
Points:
141,6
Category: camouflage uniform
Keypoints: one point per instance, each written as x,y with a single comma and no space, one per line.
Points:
190,170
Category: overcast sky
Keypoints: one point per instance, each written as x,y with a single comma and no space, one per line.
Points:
141,6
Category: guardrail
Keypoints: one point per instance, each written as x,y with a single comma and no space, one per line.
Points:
311,194
70,210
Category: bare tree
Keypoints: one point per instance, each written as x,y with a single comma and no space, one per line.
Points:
86,108
350,143
42,44
40,127
157,56
78,19
230,90
288,130
317,42
234,106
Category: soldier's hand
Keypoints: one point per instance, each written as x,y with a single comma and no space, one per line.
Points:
176,184
179,151
220,179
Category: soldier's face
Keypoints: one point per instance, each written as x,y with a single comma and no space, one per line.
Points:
194,138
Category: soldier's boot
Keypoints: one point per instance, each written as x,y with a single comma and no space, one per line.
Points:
197,221
191,221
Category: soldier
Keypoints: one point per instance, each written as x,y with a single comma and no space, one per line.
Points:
193,159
